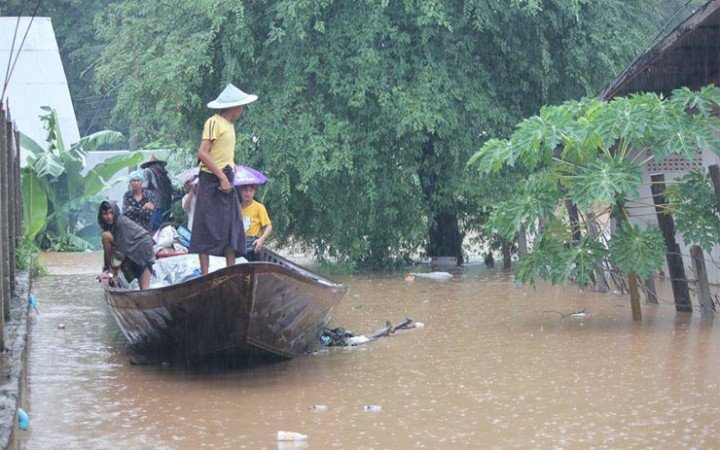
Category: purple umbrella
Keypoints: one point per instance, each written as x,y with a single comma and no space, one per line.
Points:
244,175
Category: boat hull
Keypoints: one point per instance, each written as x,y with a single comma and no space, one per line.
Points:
271,306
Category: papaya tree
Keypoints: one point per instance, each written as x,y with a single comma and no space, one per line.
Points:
56,195
590,153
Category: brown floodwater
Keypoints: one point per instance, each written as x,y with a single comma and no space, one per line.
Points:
490,369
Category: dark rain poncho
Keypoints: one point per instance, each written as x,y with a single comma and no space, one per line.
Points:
130,239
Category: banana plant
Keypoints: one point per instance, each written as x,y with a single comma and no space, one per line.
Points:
56,195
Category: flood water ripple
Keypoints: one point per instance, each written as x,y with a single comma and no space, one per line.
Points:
491,369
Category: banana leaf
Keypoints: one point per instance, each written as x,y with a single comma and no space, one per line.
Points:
35,204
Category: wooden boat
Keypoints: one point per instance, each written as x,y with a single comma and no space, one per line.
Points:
270,306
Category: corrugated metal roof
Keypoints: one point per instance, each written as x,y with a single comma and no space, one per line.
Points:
38,79
687,56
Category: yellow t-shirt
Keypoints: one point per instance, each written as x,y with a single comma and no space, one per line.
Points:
222,133
255,217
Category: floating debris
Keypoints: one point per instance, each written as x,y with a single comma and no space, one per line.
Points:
372,408
357,340
61,326
32,302
340,337
23,419
291,436
438,276
576,315
319,407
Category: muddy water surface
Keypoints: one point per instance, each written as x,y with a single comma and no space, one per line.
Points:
490,369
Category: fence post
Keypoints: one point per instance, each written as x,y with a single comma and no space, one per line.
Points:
12,233
18,187
674,258
707,307
650,290
593,230
3,218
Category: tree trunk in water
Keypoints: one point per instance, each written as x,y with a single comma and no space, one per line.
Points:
634,297
507,254
444,237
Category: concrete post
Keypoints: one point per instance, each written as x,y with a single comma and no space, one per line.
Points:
707,307
678,280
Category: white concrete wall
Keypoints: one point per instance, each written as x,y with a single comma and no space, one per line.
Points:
37,80
646,215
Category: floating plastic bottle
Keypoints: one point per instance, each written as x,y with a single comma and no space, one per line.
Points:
319,408
291,436
23,419
372,408
32,302
419,325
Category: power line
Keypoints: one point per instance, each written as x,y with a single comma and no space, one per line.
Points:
662,30
12,69
12,48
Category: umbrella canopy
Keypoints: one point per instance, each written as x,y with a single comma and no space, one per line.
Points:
188,175
244,175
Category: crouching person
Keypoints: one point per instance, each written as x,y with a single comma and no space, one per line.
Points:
126,246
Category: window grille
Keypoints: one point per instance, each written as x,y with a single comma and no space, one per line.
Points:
675,163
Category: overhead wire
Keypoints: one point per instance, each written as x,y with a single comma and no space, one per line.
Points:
17,56
12,49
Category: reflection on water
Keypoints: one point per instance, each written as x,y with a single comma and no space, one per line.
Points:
489,370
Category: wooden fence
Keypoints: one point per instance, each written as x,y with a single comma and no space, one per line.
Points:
10,212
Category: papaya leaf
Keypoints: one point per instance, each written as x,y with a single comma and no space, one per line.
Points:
636,249
585,256
696,210
493,155
605,180
536,198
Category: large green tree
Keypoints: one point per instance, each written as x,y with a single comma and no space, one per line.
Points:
368,110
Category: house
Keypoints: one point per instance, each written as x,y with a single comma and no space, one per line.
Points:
688,56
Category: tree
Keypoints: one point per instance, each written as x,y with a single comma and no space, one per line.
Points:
368,110
590,152
58,201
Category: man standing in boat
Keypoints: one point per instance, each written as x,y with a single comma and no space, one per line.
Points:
217,224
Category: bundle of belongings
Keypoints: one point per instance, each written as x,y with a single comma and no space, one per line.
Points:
171,240
168,271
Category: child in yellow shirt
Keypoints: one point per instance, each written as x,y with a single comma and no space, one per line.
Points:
255,221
